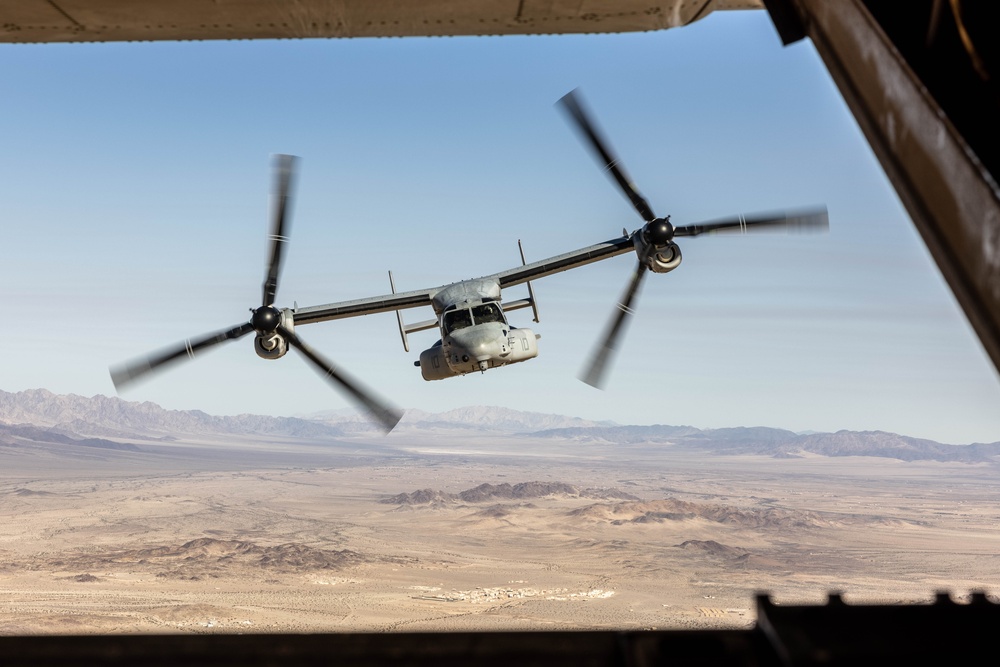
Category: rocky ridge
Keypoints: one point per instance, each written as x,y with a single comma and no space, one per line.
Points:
492,492
204,556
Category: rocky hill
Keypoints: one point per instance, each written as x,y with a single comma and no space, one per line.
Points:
22,435
207,557
492,492
668,510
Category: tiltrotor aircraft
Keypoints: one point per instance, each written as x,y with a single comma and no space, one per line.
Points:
470,315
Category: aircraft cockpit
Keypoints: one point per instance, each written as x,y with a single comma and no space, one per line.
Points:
484,313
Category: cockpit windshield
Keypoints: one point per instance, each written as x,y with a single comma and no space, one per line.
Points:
457,319
482,314
488,312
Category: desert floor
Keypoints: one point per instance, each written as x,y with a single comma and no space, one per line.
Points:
266,536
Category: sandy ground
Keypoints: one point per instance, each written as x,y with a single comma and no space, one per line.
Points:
261,536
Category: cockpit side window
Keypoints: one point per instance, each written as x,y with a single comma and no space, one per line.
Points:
457,319
488,312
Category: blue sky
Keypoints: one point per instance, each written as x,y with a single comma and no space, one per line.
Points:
136,180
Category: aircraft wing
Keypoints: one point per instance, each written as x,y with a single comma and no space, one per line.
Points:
366,306
31,21
522,274
564,262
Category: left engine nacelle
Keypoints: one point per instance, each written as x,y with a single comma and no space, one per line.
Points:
270,346
658,259
434,364
663,260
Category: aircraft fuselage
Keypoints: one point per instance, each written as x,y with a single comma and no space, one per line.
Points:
475,334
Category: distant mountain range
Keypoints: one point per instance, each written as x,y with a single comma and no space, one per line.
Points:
480,418
41,416
779,443
113,417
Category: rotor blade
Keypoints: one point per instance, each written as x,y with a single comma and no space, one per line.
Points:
131,371
572,105
284,177
373,404
811,220
597,368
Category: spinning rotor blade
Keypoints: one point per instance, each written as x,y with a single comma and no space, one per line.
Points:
377,407
597,368
267,319
135,369
572,105
799,221
284,176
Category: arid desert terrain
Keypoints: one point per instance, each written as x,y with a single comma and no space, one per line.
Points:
448,530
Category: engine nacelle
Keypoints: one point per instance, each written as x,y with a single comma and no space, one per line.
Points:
658,259
434,365
270,346
523,345
664,259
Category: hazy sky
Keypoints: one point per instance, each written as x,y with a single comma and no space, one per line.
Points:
135,199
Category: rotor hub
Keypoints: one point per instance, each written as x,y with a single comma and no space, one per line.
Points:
266,319
659,232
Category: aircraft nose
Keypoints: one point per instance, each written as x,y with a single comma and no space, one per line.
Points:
479,346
